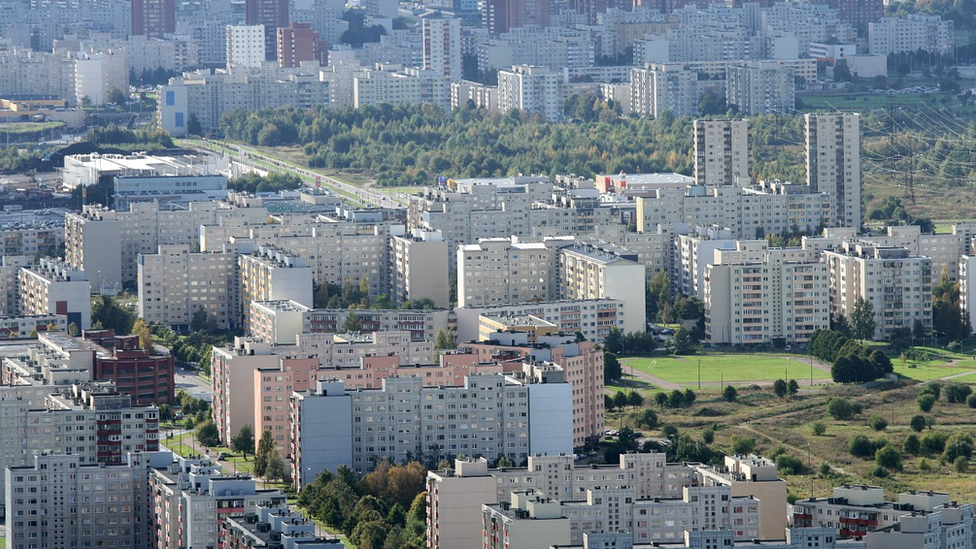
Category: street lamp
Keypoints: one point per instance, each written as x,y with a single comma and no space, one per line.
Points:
699,374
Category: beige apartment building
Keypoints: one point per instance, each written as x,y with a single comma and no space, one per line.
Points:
506,271
592,273
107,243
54,287
273,274
175,283
896,283
418,268
833,163
754,295
721,152
660,87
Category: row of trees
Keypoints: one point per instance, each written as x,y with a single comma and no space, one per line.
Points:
386,509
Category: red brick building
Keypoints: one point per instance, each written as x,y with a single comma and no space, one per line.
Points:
299,42
148,378
153,18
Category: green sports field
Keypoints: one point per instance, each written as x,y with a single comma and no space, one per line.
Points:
727,368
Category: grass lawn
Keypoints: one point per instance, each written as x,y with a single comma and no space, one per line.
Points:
728,368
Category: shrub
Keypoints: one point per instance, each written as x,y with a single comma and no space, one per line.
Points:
911,444
842,409
879,472
917,423
923,465
933,388
743,445
708,436
646,419
780,388
957,393
957,445
825,470
954,346
789,465
877,423
730,394
861,446
971,401
933,443
819,428
669,431
961,464
888,457
925,402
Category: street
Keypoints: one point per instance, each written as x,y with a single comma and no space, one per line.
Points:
188,381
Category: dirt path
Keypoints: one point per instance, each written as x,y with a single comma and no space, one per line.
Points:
798,452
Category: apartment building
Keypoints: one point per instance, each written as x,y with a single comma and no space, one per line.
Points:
174,284
465,210
860,510
754,294
232,379
149,379
592,317
418,268
587,272
580,363
532,89
193,499
208,96
53,286
337,252
529,520
775,208
108,243
31,240
897,284
506,271
915,32
299,42
46,420
660,87
269,525
10,266
647,479
153,18
15,326
421,324
74,504
490,415
273,274
721,152
442,46
759,87
833,163
967,286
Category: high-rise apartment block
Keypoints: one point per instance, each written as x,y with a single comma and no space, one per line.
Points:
273,274
503,271
754,295
532,89
246,46
74,504
760,87
273,15
591,273
916,32
833,152
897,284
501,16
418,268
174,284
490,415
858,12
442,46
721,152
55,287
661,87
153,18
300,42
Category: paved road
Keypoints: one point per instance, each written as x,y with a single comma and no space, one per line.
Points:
247,154
193,384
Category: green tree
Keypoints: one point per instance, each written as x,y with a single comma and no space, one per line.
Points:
351,324
266,446
819,428
620,400
277,470
445,340
116,97
107,311
842,409
743,445
683,342
888,457
918,423
208,435
635,399
861,446
877,423
779,387
646,419
730,394
243,441
911,444
611,367
925,402
862,319
201,321
792,388
141,329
